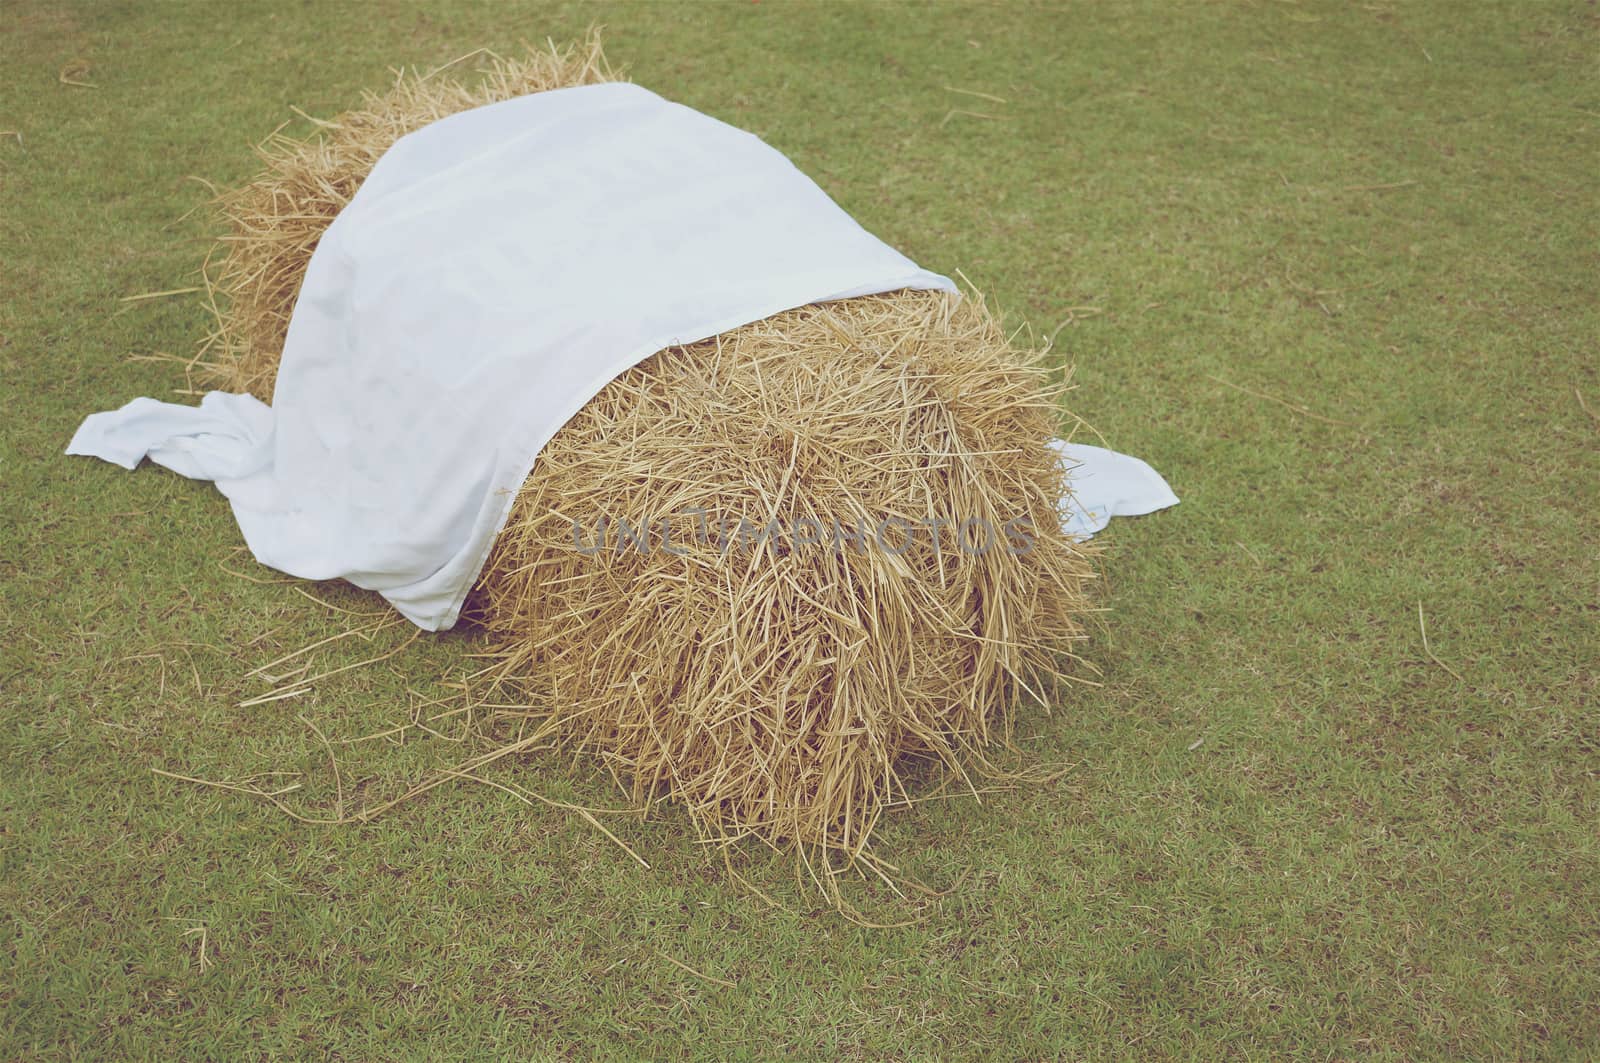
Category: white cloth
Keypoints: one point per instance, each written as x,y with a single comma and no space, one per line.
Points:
1106,484
494,272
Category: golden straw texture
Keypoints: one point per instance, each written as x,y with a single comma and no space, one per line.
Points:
781,684
766,575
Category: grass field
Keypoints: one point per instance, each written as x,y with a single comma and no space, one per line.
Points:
1330,267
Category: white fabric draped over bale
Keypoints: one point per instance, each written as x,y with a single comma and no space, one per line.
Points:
496,270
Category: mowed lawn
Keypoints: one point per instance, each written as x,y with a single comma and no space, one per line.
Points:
1330,267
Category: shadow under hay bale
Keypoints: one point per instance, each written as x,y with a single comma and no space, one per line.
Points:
760,575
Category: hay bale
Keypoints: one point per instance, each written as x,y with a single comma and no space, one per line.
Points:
781,687
763,575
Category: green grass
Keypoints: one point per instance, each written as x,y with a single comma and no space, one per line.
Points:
1287,830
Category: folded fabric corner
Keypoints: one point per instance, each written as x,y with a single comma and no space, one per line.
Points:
1105,484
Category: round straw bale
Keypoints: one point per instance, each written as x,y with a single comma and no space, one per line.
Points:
764,575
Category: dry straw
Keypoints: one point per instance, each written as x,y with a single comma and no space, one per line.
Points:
783,688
